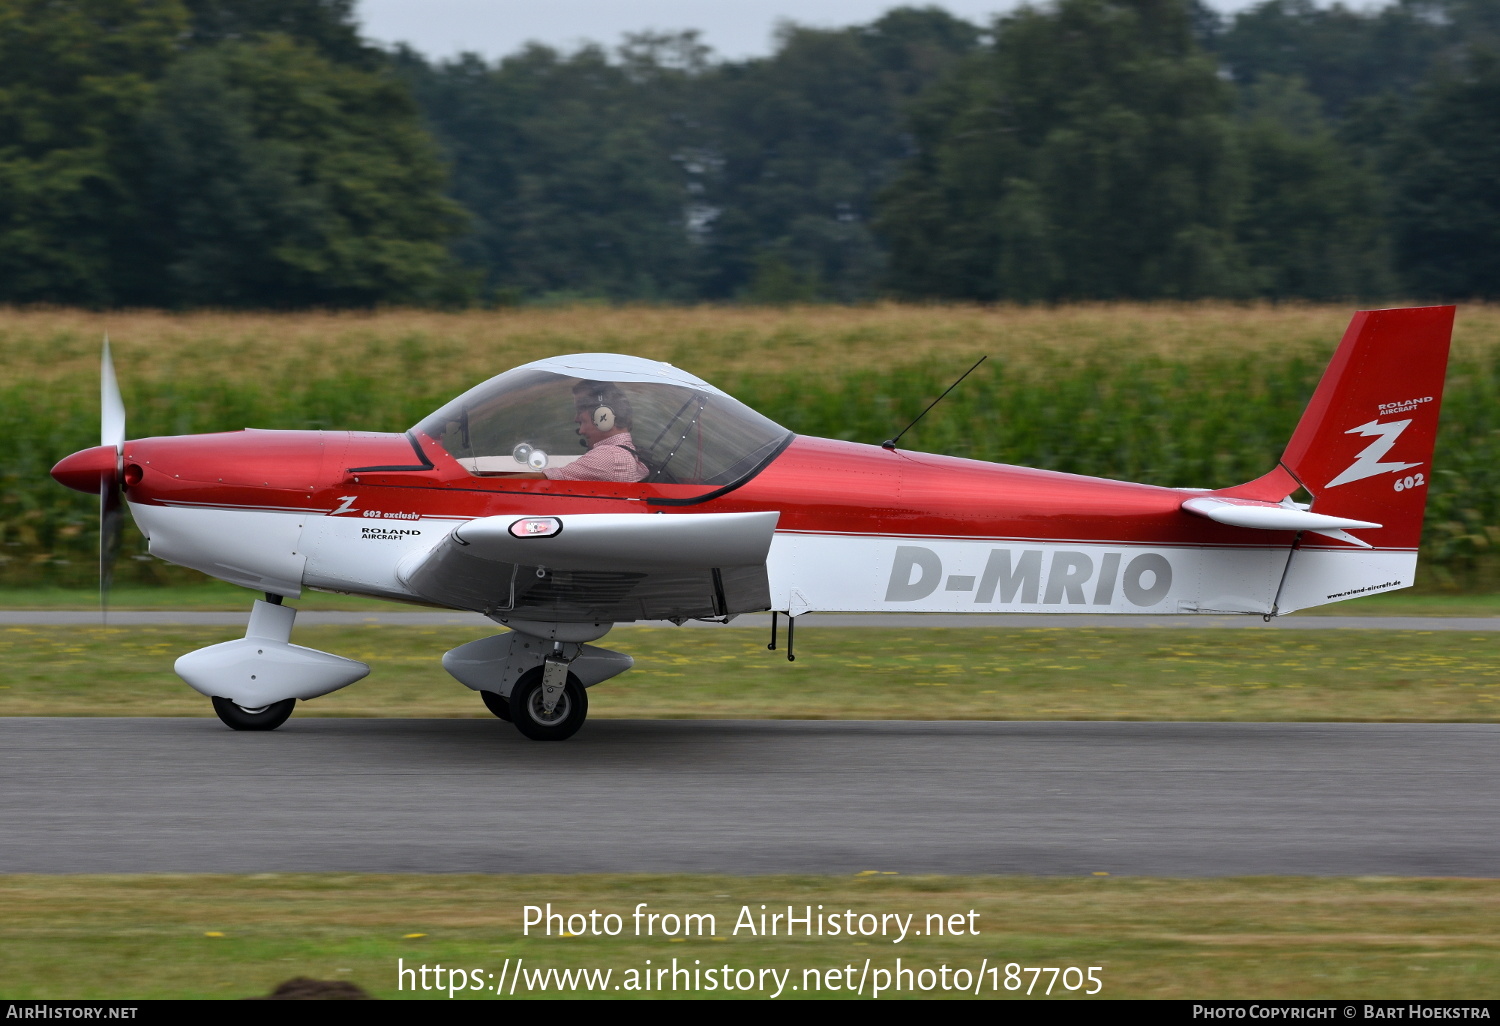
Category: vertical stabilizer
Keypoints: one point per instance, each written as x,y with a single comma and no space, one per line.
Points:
1363,450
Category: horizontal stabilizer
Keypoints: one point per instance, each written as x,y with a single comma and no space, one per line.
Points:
622,541
1272,516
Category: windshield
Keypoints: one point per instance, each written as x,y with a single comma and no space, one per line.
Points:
644,421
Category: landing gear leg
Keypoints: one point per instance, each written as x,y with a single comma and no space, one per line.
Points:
256,681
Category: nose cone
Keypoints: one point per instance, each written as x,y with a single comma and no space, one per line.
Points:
83,470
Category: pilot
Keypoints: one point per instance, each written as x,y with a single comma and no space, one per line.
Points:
603,419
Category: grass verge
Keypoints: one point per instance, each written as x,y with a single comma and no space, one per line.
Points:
843,673
219,936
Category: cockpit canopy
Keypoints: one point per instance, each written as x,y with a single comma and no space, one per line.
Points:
682,429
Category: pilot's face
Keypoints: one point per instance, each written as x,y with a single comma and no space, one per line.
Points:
584,418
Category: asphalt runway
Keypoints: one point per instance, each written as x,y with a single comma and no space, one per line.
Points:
750,797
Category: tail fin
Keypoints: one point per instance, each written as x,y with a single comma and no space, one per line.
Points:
1363,450
1364,447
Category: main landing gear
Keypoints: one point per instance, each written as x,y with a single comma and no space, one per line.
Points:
536,675
546,710
529,708
497,704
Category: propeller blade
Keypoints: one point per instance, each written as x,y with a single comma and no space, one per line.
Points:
111,526
111,511
112,407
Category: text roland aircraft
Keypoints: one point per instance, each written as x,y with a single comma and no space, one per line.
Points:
577,492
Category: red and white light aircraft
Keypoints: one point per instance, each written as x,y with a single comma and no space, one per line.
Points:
725,512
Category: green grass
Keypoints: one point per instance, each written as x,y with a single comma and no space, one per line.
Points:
220,937
1405,603
840,673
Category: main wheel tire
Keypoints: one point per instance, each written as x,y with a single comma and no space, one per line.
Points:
497,704
567,715
267,717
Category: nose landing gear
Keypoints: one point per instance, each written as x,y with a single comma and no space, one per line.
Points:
255,682
266,717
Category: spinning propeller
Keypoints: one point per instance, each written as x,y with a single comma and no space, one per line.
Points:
101,471
111,515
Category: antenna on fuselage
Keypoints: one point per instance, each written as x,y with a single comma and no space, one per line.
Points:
890,443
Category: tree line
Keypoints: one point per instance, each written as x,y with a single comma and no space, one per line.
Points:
260,153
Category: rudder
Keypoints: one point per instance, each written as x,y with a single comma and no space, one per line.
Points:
1363,451
1363,448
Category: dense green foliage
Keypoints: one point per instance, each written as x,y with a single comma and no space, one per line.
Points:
1310,223
803,142
1447,182
214,152
1347,55
74,78
567,164
657,173
259,153
1407,94
1075,149
275,177
1090,152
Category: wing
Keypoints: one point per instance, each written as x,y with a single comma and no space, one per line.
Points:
601,566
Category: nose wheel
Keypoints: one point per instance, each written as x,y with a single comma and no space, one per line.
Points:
267,717
529,712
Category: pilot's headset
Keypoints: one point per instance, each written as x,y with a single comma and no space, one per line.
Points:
608,407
